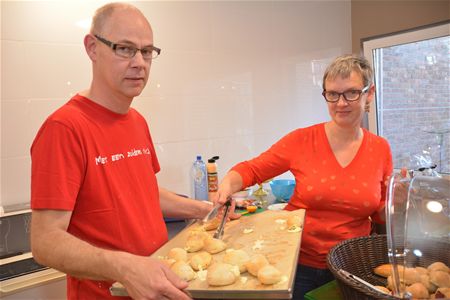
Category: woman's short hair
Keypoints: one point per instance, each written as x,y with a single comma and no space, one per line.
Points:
342,66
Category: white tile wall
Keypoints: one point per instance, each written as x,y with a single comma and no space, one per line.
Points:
233,77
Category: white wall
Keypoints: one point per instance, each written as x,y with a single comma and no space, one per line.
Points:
232,78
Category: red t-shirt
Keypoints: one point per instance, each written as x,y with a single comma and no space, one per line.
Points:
338,201
101,166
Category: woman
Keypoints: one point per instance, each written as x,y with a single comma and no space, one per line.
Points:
340,169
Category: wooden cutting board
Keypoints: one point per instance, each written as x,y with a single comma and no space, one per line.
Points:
268,236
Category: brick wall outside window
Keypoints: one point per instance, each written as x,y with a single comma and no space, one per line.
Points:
414,104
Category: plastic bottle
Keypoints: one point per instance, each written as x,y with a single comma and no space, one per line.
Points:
213,178
199,179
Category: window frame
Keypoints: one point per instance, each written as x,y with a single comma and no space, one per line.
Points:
431,31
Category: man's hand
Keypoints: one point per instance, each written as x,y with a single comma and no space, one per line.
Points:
147,278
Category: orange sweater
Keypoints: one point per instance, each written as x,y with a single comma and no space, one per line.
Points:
338,201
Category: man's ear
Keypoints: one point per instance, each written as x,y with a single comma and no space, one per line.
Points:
90,45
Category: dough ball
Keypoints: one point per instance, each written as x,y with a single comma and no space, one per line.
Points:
418,291
195,241
197,229
212,224
293,221
268,274
199,233
167,261
200,261
438,266
440,279
213,245
255,263
183,270
221,274
237,258
178,254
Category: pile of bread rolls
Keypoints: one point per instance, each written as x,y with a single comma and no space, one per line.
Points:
432,282
195,260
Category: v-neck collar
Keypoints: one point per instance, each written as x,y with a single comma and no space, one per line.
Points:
331,153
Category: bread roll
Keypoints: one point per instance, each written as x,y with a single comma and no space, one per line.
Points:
183,270
178,254
383,270
409,276
440,279
200,261
255,263
438,266
418,291
237,258
268,274
443,293
425,280
383,289
390,284
220,274
422,270
213,245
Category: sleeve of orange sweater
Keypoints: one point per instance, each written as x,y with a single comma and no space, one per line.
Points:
387,173
273,162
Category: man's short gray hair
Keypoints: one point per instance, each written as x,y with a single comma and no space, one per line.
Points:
103,13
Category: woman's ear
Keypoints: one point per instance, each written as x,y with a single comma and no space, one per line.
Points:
370,97
371,93
90,45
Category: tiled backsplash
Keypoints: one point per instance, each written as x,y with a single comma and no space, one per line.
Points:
232,78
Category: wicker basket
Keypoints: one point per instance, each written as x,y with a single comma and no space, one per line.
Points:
359,256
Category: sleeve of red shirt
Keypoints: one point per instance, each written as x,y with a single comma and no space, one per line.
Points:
57,167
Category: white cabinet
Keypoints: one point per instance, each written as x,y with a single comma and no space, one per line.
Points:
47,284
55,290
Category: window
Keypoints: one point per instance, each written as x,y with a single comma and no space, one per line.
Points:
412,104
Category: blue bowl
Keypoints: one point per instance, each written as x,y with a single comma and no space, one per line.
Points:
282,189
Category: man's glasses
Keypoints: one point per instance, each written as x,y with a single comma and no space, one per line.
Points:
128,51
350,95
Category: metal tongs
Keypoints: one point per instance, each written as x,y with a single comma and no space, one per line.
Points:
213,213
219,232
358,279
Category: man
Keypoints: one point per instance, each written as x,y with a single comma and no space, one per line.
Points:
97,209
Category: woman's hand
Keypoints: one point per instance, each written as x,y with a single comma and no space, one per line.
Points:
230,184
